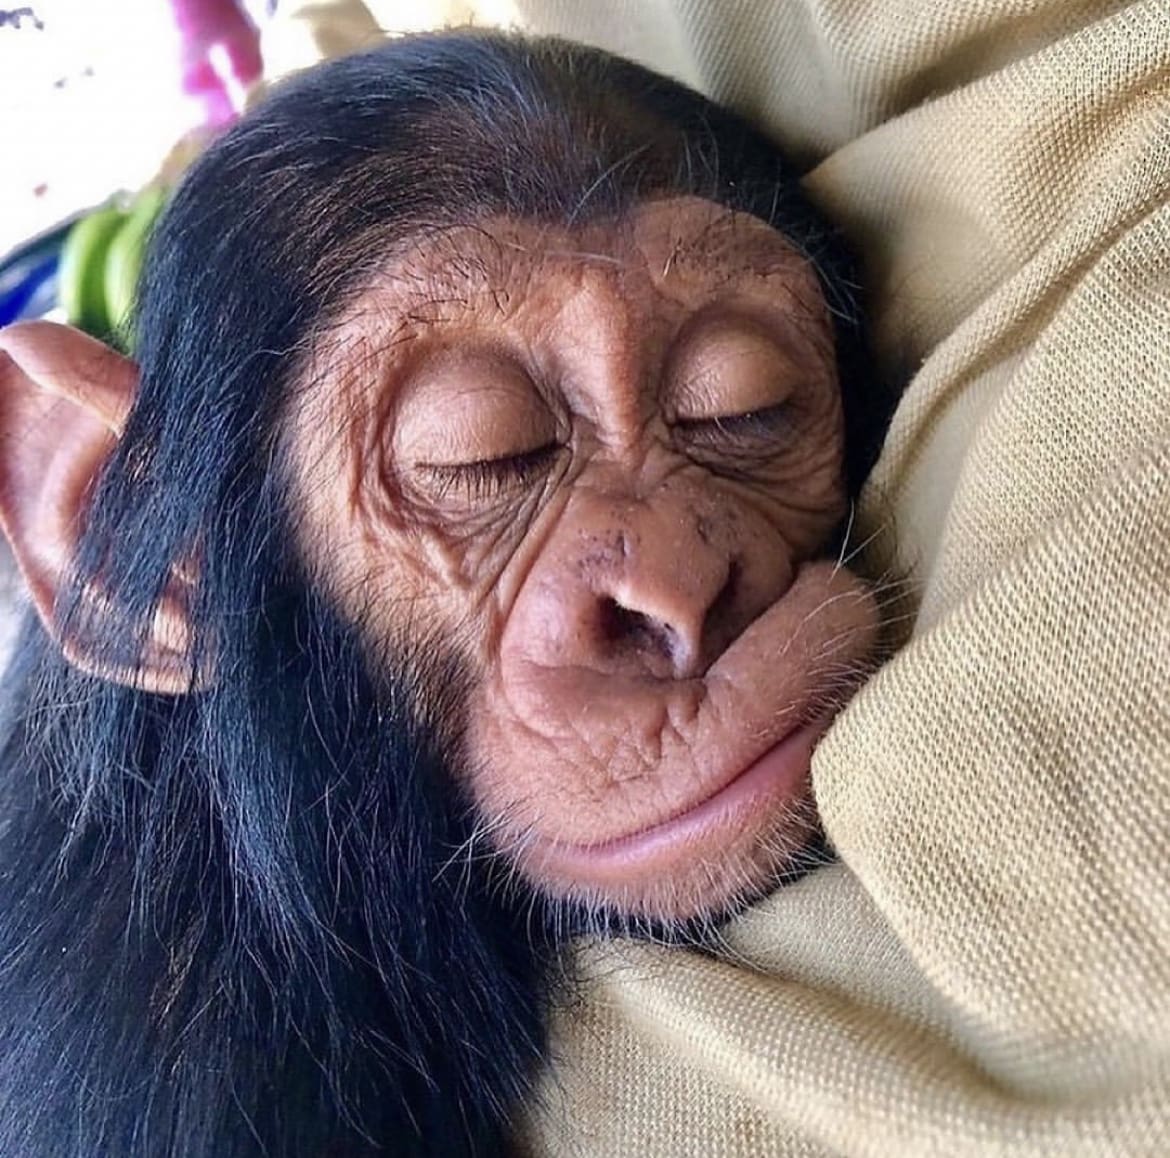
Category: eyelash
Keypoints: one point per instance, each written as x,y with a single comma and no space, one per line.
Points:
751,427
492,476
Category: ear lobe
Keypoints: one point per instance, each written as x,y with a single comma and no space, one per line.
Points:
64,399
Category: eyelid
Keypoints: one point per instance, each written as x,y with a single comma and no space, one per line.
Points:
762,423
729,356
483,478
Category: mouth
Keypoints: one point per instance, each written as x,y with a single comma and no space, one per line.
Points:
776,783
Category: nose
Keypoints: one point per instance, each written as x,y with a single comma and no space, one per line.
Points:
633,586
663,592
672,637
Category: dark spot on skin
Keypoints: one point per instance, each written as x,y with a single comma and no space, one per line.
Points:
603,552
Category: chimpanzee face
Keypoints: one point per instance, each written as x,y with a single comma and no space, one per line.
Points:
603,464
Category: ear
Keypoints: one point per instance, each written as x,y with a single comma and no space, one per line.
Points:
64,399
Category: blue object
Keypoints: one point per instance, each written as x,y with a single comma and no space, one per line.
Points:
28,275
28,287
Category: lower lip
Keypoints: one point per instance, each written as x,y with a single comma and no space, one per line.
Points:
779,776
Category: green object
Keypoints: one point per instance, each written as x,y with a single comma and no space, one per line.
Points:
101,262
123,260
81,274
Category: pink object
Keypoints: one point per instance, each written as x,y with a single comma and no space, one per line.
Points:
220,56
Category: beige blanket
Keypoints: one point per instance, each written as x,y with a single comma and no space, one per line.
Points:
987,972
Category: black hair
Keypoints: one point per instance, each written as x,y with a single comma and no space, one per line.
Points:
228,928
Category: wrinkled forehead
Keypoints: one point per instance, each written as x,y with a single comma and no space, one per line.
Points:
694,247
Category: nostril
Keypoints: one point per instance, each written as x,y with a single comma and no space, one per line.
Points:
622,627
620,624
678,649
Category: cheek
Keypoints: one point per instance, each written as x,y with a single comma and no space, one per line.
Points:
801,492
814,470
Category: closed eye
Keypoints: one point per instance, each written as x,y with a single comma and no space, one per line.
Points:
750,428
489,477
